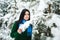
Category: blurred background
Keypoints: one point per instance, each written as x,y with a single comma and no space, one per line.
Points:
45,16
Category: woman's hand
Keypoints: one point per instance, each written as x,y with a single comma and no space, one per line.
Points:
19,31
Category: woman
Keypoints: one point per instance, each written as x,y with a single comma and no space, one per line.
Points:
16,32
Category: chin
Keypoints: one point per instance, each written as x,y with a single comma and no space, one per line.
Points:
26,19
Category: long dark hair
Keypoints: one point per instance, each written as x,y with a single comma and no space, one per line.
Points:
22,15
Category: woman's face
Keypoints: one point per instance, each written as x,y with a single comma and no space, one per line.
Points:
26,16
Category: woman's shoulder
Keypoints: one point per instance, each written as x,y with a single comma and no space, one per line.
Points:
15,23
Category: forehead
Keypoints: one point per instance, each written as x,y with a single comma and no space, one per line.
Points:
26,12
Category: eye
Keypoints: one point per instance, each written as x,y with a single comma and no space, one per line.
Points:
27,14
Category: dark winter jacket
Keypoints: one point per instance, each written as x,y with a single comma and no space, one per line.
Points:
17,36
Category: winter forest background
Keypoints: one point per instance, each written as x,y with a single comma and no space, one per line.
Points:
45,16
